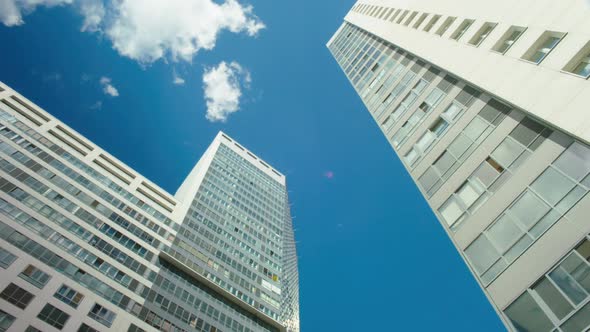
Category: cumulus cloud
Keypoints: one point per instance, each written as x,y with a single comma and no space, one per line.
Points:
94,12
149,30
96,106
12,11
177,80
108,88
223,89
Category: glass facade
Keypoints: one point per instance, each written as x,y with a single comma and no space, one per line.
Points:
501,183
85,244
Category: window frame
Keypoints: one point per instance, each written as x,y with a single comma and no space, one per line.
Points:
431,23
538,46
410,18
102,314
7,258
445,26
473,41
33,281
582,56
401,18
505,38
462,29
73,302
420,20
48,311
17,296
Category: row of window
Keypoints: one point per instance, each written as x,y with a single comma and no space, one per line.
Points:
68,294
578,65
545,201
68,205
560,298
441,125
466,142
92,173
494,171
49,314
69,270
53,316
83,181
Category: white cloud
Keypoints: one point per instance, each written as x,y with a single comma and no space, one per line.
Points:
12,11
96,106
223,89
108,88
93,12
177,80
149,30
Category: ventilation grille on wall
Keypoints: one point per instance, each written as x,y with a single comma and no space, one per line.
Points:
114,168
72,140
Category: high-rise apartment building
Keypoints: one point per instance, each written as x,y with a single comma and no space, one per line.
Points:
88,244
486,105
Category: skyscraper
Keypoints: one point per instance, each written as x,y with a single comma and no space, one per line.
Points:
486,105
88,244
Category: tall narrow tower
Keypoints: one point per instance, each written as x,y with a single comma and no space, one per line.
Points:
88,244
486,105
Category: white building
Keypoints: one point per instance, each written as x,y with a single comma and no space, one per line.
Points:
88,244
486,104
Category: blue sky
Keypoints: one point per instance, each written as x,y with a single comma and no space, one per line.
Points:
372,257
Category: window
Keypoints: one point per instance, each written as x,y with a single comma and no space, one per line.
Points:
561,294
394,15
462,29
418,117
526,315
580,64
410,18
102,315
490,175
508,39
35,276
431,23
409,99
420,20
482,33
439,127
583,67
546,200
556,301
424,143
452,112
53,316
379,10
482,254
135,328
543,46
31,328
17,296
445,26
375,9
6,258
462,146
86,328
5,321
69,296
401,18
386,17
575,162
